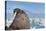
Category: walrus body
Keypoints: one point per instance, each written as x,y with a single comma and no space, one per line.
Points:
21,20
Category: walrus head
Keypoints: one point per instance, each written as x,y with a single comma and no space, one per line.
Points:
17,11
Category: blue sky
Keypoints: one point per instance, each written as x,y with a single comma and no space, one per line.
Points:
34,9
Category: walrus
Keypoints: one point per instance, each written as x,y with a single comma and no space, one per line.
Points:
20,21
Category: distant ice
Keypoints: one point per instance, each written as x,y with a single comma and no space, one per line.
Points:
37,22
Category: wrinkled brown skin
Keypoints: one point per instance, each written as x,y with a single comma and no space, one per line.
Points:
21,21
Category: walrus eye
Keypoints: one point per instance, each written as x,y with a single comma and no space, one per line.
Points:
14,11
